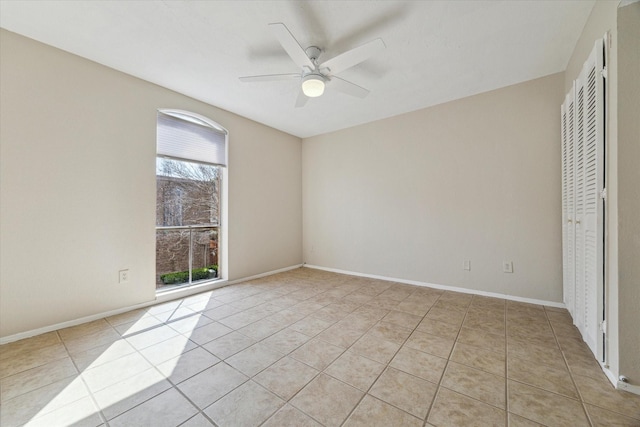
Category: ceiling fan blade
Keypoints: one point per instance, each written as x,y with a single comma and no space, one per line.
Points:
353,57
291,45
302,99
347,87
270,78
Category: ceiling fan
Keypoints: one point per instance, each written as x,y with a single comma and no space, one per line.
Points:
314,75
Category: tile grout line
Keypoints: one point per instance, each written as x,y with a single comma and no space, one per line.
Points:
366,393
347,349
507,379
323,369
476,368
507,407
35,366
446,366
538,387
100,414
250,378
155,367
443,371
174,386
564,358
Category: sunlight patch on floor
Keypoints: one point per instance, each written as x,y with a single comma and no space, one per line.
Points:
123,372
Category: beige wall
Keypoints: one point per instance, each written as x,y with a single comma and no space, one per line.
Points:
77,187
629,189
413,196
601,20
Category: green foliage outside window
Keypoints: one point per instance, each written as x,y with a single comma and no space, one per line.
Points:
196,274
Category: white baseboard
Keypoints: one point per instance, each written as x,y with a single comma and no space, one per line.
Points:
159,298
443,287
269,273
610,376
621,385
635,389
69,323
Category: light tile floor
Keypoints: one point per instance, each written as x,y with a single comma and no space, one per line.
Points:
311,348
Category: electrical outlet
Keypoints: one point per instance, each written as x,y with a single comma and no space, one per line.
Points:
507,266
466,265
123,276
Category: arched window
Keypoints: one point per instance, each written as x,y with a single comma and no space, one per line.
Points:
191,152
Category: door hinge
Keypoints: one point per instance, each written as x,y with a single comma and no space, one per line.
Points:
603,326
603,194
603,72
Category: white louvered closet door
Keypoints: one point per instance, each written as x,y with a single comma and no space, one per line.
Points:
568,202
582,201
591,227
579,203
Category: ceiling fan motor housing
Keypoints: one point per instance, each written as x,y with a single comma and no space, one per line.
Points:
313,52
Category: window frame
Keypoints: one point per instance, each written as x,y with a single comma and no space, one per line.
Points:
219,227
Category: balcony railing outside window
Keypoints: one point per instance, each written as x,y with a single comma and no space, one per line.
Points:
186,255
187,222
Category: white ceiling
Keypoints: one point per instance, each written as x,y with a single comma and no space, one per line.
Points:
437,51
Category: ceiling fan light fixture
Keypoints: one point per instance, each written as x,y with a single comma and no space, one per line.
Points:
313,85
